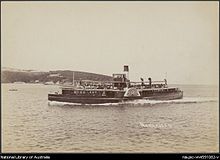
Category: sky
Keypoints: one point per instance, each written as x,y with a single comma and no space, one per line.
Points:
173,40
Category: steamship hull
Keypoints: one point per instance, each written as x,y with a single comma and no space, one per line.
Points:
101,100
87,100
168,96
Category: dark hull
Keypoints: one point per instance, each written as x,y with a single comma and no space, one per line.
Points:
100,100
83,100
168,96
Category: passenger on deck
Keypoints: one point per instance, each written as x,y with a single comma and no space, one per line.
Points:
165,85
165,81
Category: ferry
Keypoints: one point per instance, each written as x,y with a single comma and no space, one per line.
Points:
120,89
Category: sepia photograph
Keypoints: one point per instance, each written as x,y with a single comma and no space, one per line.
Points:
109,77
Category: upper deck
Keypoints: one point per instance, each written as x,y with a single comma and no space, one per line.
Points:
116,85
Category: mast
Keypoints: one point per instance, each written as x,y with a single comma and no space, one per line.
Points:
73,79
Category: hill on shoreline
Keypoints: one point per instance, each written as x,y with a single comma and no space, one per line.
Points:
9,75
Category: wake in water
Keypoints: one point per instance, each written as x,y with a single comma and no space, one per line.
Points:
143,102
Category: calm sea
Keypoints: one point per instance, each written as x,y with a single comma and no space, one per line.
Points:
31,124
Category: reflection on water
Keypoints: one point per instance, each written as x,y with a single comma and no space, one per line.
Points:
30,124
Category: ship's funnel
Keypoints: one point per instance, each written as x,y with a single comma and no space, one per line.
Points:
150,82
126,69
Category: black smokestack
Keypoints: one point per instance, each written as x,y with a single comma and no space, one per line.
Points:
150,82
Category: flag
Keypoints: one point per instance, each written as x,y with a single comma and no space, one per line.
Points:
126,69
